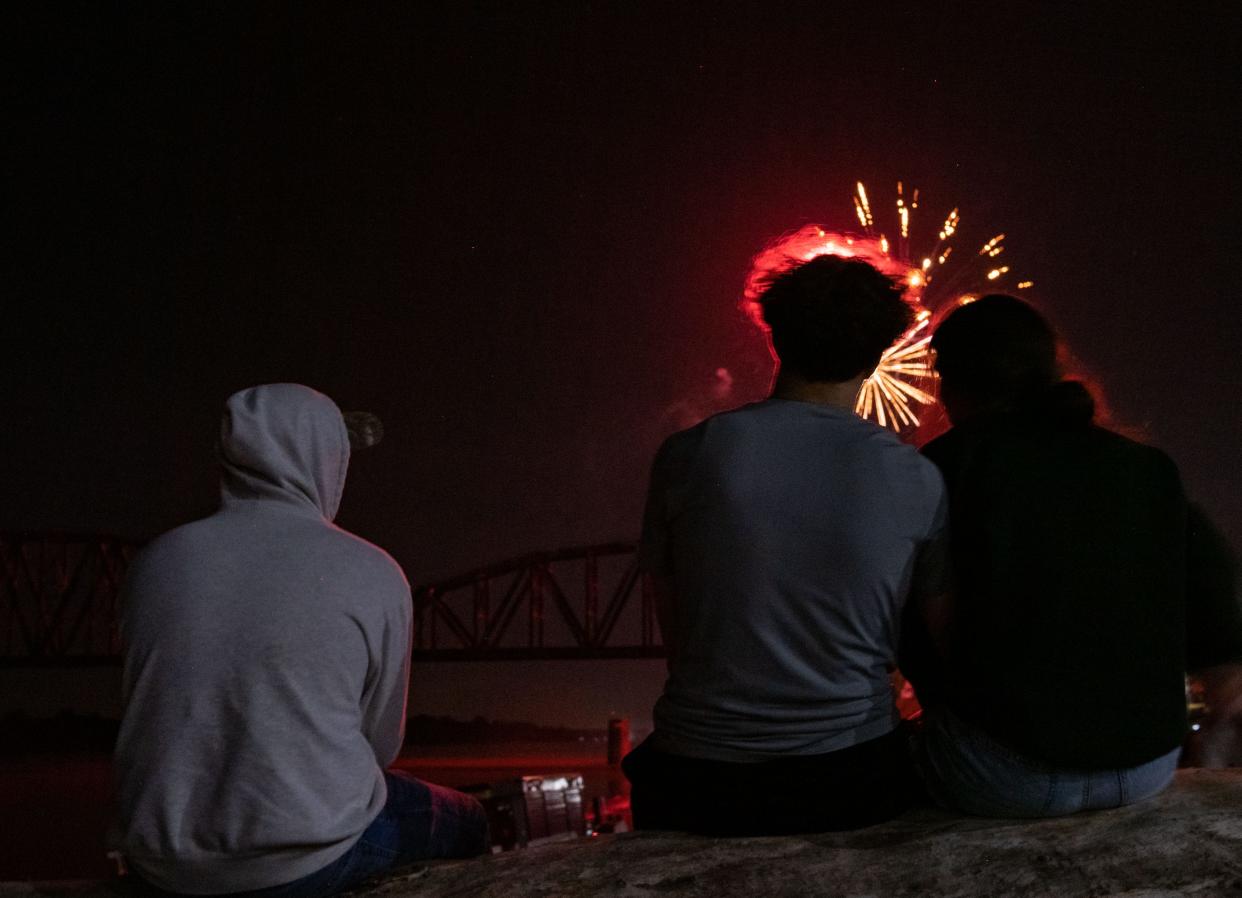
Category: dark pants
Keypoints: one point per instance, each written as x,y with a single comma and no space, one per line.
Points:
847,789
419,821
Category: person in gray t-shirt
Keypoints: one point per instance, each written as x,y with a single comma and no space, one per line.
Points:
784,539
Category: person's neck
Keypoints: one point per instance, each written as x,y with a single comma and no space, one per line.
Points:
820,392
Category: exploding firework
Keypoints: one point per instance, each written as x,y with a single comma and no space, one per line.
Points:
903,384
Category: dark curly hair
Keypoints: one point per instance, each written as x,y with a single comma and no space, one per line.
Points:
833,317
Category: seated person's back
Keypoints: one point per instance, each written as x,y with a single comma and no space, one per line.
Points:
787,530
264,724
1079,567
1070,612
782,540
266,670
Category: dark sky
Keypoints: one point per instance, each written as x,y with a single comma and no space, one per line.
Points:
517,232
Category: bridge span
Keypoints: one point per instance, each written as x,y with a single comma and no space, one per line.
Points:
60,605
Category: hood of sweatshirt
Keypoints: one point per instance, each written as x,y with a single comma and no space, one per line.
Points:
283,443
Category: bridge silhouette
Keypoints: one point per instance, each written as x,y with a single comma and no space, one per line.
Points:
60,605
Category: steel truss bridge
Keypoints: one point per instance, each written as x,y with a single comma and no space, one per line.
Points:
60,605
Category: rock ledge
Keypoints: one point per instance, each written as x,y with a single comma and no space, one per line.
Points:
1186,842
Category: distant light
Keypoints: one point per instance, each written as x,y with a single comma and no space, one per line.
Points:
1195,727
993,247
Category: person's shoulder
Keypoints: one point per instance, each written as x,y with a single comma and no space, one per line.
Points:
678,449
794,419
187,538
945,446
896,463
365,557
1125,448
752,414
691,436
915,469
170,562
726,426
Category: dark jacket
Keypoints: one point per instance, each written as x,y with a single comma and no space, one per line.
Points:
1079,567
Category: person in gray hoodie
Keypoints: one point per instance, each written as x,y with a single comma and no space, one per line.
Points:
266,664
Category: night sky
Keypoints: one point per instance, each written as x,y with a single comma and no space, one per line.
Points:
518,232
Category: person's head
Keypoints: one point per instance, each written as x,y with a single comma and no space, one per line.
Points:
832,318
992,353
291,444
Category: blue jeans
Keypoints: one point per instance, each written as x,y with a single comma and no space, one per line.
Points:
966,770
420,821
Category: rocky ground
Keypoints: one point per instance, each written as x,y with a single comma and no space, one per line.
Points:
1187,842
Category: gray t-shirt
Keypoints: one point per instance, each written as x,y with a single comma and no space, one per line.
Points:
790,535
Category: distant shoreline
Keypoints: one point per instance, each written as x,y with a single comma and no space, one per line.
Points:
426,735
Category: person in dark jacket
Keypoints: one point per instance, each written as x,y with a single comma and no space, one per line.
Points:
1087,586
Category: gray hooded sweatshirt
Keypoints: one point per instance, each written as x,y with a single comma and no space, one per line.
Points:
266,665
